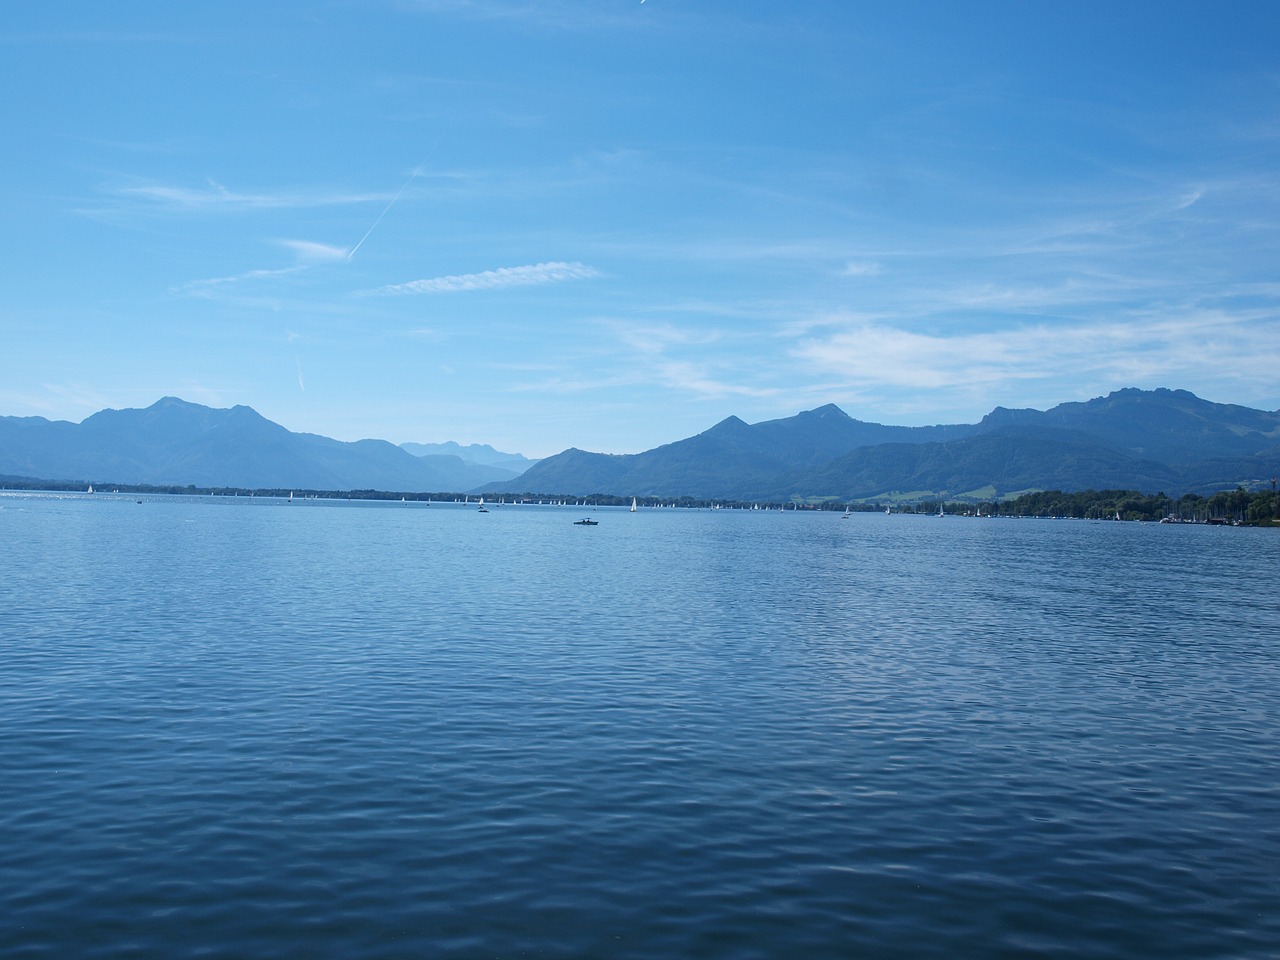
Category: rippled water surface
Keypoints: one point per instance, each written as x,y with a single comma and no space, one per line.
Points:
234,728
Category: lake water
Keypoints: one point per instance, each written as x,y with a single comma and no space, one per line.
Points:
247,728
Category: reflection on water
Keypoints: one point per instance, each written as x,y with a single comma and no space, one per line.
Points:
252,728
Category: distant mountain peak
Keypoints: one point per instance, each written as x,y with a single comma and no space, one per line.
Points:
1168,439
176,442
476,453
176,403
730,425
1135,438
825,411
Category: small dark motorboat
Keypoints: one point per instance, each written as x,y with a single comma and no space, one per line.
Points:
586,522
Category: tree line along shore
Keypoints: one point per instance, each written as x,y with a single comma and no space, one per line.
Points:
1238,507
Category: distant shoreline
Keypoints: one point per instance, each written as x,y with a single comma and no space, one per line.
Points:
1234,508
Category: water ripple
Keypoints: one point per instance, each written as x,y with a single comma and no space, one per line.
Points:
362,731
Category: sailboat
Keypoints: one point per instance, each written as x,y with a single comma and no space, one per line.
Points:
633,504
482,509
846,512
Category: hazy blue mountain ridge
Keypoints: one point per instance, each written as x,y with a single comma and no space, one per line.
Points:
497,465
731,460
1006,460
174,442
1149,440
1163,424
1152,440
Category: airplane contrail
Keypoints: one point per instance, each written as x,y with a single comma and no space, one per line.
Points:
403,186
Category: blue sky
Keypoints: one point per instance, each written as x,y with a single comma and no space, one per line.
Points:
610,224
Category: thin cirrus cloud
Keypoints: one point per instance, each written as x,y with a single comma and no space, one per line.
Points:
203,287
215,196
861,269
524,276
1141,349
311,252
307,254
693,378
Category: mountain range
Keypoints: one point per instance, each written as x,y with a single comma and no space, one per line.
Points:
176,443
1149,440
477,454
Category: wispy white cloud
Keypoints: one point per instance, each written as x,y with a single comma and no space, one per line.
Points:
213,196
308,251
205,286
524,276
307,254
647,357
872,353
855,268
1139,350
656,338
695,378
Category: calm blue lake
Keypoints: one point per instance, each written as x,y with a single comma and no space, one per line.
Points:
247,728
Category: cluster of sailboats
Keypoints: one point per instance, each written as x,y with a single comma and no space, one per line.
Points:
635,506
